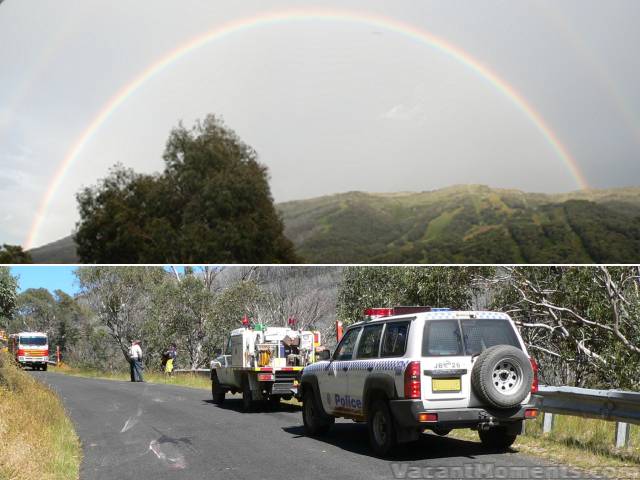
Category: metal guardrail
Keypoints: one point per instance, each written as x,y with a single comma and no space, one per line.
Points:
611,405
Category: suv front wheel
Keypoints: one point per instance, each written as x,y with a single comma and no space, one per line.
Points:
382,430
315,423
497,438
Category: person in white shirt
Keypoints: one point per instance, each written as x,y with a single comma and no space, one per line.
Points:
135,361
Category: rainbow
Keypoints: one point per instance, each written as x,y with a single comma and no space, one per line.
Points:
274,18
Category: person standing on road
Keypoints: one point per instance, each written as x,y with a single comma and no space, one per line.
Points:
135,360
168,357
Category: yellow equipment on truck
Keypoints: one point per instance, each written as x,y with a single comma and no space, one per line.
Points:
263,363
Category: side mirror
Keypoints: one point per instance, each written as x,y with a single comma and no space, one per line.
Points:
323,355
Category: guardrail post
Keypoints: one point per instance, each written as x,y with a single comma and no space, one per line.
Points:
547,424
622,434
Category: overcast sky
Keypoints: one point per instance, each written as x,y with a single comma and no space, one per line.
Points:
329,106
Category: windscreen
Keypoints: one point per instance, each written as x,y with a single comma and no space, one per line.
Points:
465,337
33,341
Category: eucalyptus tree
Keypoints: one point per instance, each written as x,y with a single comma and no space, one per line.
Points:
121,298
581,322
181,313
8,295
435,286
239,299
37,310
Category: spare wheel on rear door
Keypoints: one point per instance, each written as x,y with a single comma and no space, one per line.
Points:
502,376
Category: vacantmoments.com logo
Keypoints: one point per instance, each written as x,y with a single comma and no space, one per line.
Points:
474,470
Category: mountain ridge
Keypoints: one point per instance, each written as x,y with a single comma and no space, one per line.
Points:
456,224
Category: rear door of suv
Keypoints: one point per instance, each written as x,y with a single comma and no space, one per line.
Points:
449,348
445,368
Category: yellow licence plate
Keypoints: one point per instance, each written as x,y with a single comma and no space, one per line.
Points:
445,385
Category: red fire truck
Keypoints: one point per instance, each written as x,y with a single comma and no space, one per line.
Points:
30,349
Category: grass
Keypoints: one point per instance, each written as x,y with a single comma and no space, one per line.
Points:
183,379
37,439
583,443
596,436
438,224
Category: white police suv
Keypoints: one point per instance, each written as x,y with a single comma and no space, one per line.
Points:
404,370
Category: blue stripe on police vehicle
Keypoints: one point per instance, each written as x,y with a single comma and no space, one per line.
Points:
355,365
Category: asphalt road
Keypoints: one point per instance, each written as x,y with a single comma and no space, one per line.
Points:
146,431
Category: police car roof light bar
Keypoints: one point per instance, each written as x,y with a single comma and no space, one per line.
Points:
373,313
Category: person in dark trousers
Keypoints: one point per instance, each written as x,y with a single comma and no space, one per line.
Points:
135,361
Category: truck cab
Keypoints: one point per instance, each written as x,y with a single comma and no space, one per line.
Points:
30,349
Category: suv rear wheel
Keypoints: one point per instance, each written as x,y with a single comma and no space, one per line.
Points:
497,438
382,430
315,422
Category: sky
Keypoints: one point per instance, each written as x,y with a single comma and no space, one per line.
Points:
331,101
55,277
50,277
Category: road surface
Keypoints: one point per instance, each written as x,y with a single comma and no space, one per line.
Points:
145,431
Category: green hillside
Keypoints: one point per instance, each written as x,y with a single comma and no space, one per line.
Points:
60,251
460,224
467,224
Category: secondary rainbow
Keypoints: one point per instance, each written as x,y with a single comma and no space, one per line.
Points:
275,18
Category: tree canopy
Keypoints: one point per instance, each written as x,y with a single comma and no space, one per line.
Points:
120,297
57,314
195,309
12,254
212,203
580,322
8,295
433,286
